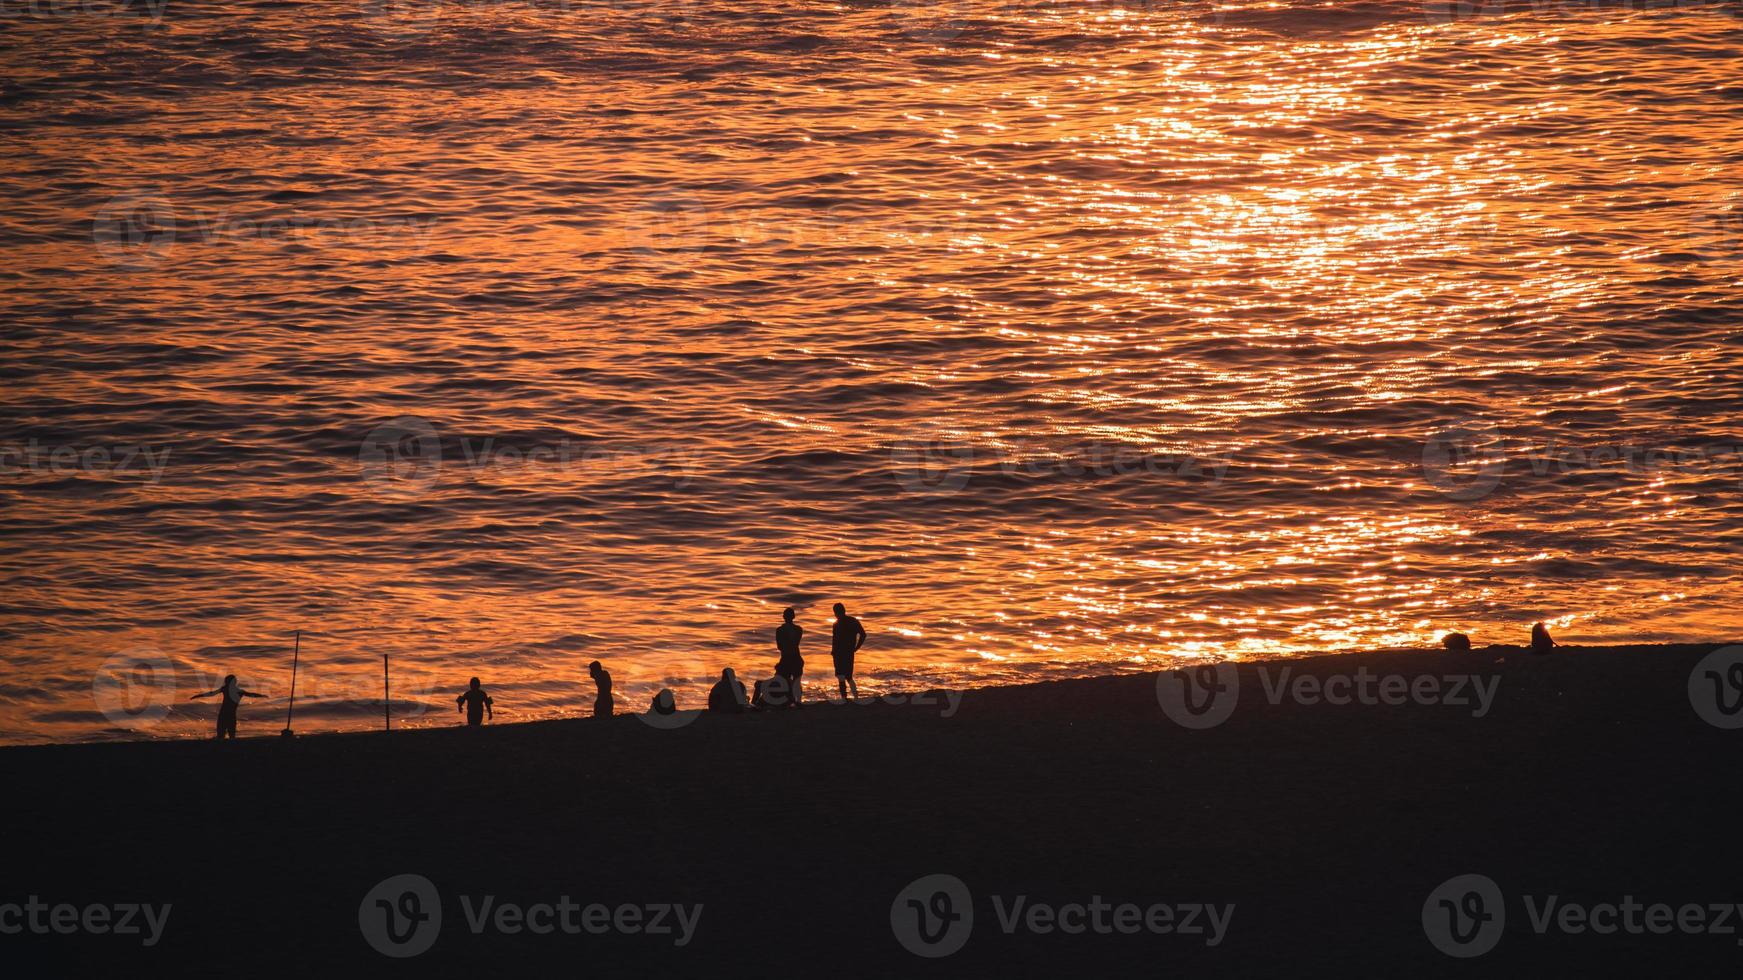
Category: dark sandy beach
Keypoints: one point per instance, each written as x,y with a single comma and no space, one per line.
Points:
1589,776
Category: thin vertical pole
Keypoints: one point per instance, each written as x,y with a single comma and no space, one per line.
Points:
386,696
290,709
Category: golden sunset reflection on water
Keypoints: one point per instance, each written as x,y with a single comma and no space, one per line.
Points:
1054,339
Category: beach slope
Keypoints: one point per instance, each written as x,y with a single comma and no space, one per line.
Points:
1588,775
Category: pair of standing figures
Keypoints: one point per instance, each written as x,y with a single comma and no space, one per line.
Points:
846,639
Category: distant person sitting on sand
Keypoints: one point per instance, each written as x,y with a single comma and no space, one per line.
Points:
727,694
848,637
791,666
1456,643
233,695
476,704
664,703
1541,642
602,702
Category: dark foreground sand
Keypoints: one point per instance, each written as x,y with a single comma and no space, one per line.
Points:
1590,778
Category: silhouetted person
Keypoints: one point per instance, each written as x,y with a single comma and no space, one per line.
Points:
602,702
476,704
727,694
233,695
1541,642
848,637
791,666
1456,643
664,703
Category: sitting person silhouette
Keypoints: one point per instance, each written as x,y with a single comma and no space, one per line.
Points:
476,704
664,703
602,702
847,637
1456,643
1541,642
727,694
791,666
233,695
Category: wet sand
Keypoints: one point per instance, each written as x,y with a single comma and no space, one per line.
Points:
1589,776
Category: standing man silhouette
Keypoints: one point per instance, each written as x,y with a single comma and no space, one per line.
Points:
791,666
848,637
233,695
476,703
602,703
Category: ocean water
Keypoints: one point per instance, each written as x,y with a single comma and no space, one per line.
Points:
1053,338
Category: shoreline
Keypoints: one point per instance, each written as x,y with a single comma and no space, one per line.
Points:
1324,826
257,725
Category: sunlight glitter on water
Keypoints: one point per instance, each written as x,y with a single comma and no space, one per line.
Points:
1054,339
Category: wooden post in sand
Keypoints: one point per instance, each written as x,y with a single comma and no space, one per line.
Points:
290,709
386,696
